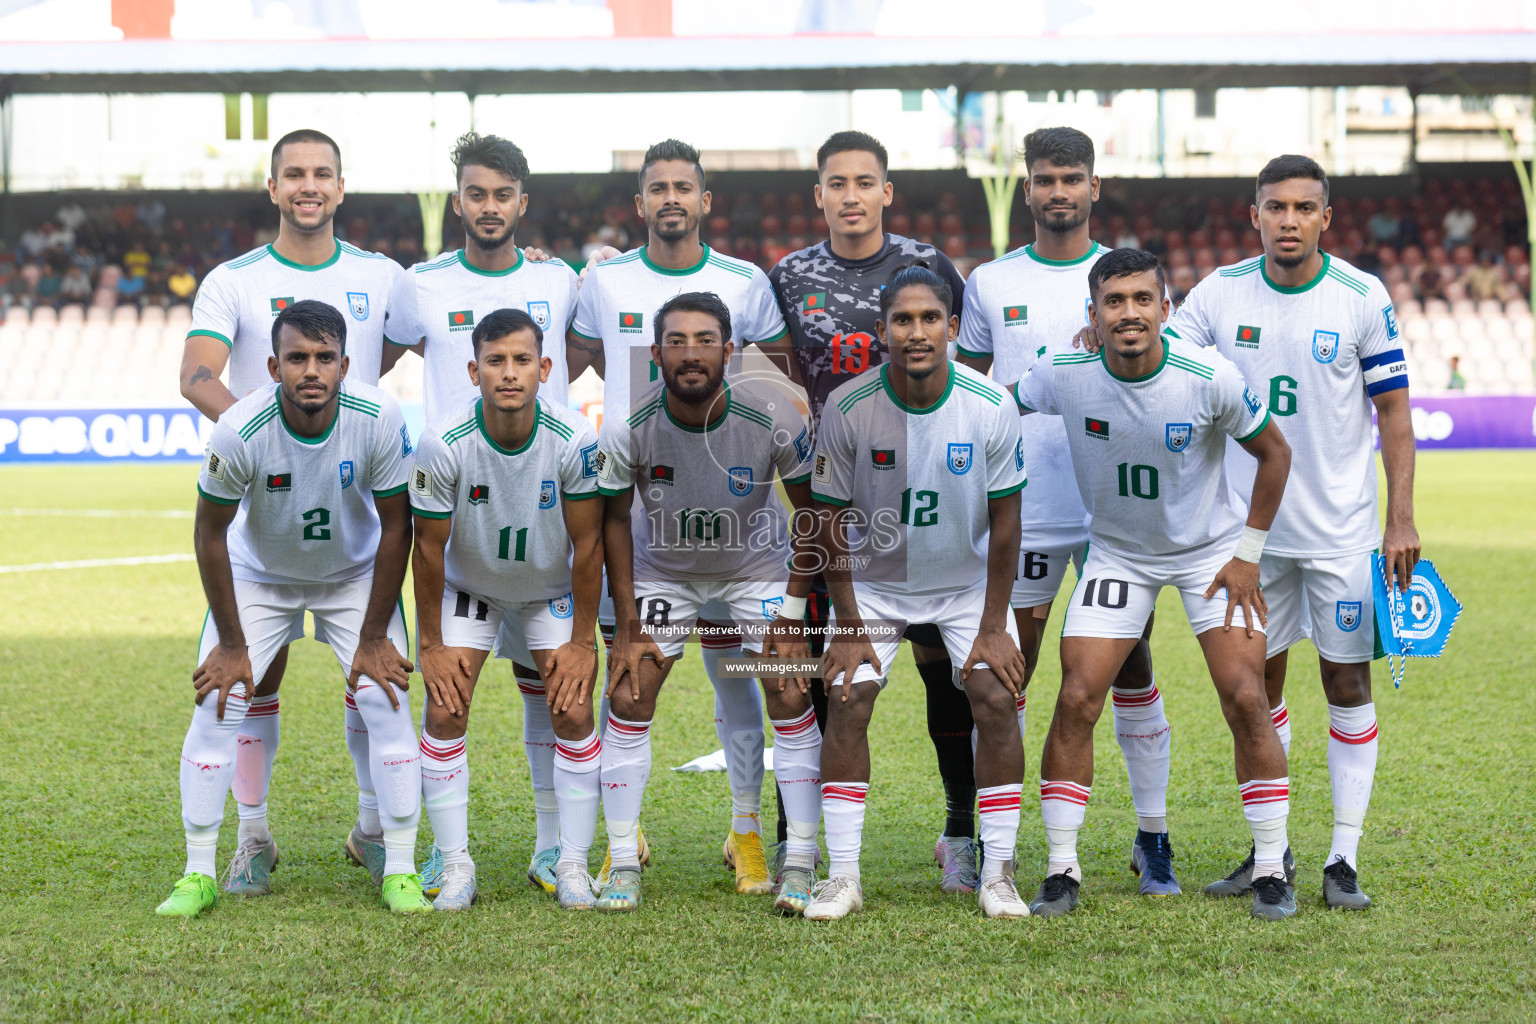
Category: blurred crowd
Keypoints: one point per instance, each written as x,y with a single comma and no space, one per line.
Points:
1456,239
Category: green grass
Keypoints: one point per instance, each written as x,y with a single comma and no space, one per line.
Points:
95,668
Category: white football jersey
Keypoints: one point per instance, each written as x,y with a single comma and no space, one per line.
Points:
1148,452
918,479
508,541
239,299
709,509
1318,352
618,304
306,504
452,295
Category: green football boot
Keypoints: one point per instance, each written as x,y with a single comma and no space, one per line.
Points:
193,894
403,895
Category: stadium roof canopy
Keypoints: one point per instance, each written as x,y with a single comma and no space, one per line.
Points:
1426,62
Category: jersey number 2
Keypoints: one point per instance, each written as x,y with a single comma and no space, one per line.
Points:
318,523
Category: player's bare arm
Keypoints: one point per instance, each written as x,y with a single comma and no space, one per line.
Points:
993,645
1400,542
630,644
582,352
393,352
203,358
786,634
1240,576
447,671
377,657
781,353
981,363
571,669
229,663
850,647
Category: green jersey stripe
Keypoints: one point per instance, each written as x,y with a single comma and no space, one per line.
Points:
356,400
1195,368
829,500
753,415
713,261
1239,269
429,515
858,393
994,495
215,498
978,389
202,332
246,260
390,493
1347,281
557,426
258,421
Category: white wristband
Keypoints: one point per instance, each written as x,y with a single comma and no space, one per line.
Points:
792,607
1251,546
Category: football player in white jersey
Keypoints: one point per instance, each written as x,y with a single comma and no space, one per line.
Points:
452,291
611,333
302,507
507,528
1320,339
1015,307
940,443
702,450
232,321
1147,423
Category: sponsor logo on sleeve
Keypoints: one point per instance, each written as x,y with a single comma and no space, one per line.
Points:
357,305
1390,316
803,444
591,461
405,442
421,482
214,463
820,472
1018,455
1251,402
1177,436
960,458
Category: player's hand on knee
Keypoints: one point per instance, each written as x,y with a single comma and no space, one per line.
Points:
379,660
786,640
1400,546
996,649
626,655
223,670
1240,579
568,675
844,656
445,670
1087,339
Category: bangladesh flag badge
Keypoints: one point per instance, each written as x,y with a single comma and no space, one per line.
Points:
631,323
479,494
279,481
1096,428
663,475
1247,337
1016,315
813,301
282,303
461,320
882,458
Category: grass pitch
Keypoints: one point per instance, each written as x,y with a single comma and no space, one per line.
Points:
95,667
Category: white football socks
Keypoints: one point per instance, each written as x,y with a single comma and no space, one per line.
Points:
999,827
1267,805
445,791
626,767
577,777
1144,735
539,745
1352,748
739,727
208,756
357,746
1063,805
394,764
842,805
797,772
1282,720
256,747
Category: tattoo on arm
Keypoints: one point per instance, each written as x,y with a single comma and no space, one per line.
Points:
202,373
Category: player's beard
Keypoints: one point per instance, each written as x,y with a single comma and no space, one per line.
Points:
1047,220
694,395
309,406
1292,262
324,225
689,225
490,243
922,373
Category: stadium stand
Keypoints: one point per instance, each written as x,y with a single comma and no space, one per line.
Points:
94,292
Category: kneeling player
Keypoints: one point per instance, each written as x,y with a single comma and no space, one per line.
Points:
1164,517
940,443
502,492
702,451
302,507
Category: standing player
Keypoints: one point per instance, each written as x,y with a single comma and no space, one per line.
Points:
830,297
610,333
453,292
940,443
490,546
1163,517
232,321
702,451
302,507
1015,307
1320,338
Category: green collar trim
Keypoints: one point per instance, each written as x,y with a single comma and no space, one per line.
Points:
464,262
304,266
1093,249
480,422
885,381
1298,289
1146,376
300,437
645,257
667,407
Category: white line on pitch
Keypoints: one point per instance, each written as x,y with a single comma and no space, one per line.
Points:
102,513
97,563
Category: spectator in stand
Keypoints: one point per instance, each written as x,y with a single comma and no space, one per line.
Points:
155,291
1457,381
48,286
136,261
71,215
75,285
130,289
1486,279
1387,224
182,285
1458,224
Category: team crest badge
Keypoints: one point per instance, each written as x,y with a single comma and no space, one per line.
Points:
561,607
540,313
771,608
1347,615
1177,436
1325,345
959,459
547,494
346,474
741,480
357,303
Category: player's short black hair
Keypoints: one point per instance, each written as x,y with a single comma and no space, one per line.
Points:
492,151
671,149
501,322
1124,263
707,303
316,320
304,135
916,273
1291,165
851,142
1064,147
